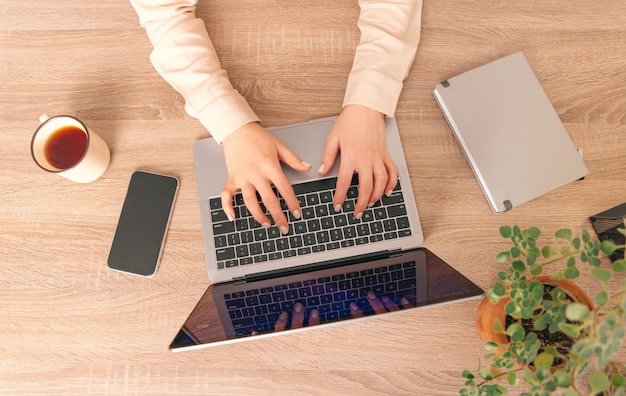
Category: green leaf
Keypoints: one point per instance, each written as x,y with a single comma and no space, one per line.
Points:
577,312
518,266
571,392
467,374
571,273
505,231
510,308
569,329
499,289
562,379
536,270
503,257
601,274
491,346
516,332
608,247
511,378
564,234
485,374
497,326
599,382
618,380
544,360
619,266
533,232
576,243
548,251
602,298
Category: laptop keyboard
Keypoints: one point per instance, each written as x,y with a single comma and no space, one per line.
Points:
244,241
258,309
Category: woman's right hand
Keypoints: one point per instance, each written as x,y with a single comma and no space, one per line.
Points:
253,157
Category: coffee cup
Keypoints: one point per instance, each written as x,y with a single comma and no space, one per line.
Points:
63,145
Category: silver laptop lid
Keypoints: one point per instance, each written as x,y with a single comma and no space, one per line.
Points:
308,141
509,132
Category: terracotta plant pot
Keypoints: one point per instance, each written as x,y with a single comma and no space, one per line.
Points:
488,312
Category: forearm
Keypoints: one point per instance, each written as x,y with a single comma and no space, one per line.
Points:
184,56
390,33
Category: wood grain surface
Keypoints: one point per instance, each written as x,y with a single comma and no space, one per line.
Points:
71,326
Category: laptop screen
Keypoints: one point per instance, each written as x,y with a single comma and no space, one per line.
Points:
232,312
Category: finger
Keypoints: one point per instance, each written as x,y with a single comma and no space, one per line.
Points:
355,310
376,304
330,155
365,193
252,203
290,158
297,319
389,304
314,318
344,180
392,171
272,203
405,302
227,201
281,323
289,196
381,180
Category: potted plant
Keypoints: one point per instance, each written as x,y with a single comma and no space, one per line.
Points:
545,334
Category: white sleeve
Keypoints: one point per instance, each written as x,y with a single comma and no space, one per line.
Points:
184,56
390,34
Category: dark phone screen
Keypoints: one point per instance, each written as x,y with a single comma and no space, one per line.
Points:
143,222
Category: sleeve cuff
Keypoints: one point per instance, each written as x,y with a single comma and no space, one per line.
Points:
374,90
225,114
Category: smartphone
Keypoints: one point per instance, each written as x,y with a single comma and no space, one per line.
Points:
143,223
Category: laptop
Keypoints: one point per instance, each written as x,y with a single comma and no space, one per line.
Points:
240,249
510,133
331,264
356,289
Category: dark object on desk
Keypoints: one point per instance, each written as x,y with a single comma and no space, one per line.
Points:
606,224
143,223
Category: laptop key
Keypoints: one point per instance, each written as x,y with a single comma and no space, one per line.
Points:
223,228
225,254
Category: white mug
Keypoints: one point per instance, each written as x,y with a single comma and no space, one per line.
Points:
63,145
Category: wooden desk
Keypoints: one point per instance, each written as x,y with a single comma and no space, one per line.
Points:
69,325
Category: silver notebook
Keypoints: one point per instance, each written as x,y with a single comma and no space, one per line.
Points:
509,131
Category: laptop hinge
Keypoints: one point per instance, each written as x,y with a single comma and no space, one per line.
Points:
318,266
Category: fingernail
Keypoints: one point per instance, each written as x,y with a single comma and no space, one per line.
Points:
353,306
297,307
284,230
369,205
337,208
296,214
283,315
371,295
404,301
314,314
230,218
321,168
385,299
388,193
358,216
266,225
306,164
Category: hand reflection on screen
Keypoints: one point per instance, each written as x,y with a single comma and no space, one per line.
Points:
376,305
